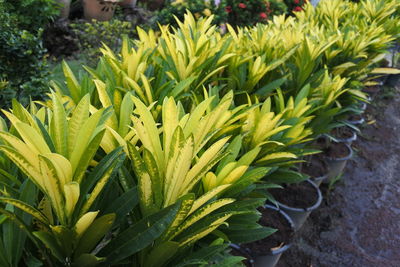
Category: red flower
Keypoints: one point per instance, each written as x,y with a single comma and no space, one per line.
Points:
228,9
296,2
263,15
297,8
242,5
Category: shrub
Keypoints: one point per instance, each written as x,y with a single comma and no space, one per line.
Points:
31,15
92,35
22,58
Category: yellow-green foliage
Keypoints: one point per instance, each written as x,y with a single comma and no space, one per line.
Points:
201,116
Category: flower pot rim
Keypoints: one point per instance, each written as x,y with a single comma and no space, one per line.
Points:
322,177
311,208
356,122
349,139
363,106
349,156
291,223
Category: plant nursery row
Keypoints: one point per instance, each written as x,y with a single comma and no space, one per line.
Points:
191,147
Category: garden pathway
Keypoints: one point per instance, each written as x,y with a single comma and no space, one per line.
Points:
358,224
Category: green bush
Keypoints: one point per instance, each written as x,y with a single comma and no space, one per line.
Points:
92,35
23,59
31,15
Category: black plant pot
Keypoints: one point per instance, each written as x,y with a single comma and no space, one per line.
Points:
350,139
356,122
270,256
300,214
337,165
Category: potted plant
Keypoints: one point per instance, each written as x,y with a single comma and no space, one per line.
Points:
335,155
316,168
343,134
298,200
266,252
101,10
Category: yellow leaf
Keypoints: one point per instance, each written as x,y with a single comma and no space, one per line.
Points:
84,222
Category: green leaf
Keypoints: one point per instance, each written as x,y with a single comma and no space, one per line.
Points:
246,236
98,178
51,243
161,254
123,204
139,235
182,86
267,89
94,234
285,176
203,254
87,260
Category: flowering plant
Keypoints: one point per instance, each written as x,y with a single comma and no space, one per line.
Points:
234,12
244,12
295,5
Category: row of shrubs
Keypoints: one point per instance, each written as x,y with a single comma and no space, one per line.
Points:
161,155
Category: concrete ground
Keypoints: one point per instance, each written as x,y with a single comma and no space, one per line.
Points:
358,223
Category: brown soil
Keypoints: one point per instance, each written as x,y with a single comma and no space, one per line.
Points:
336,151
301,195
284,235
342,132
315,166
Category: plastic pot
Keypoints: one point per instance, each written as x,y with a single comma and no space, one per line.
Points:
348,140
319,180
363,106
315,167
300,215
356,122
337,165
271,259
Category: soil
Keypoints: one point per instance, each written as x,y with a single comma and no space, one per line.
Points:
274,219
342,133
301,195
336,150
315,167
357,224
